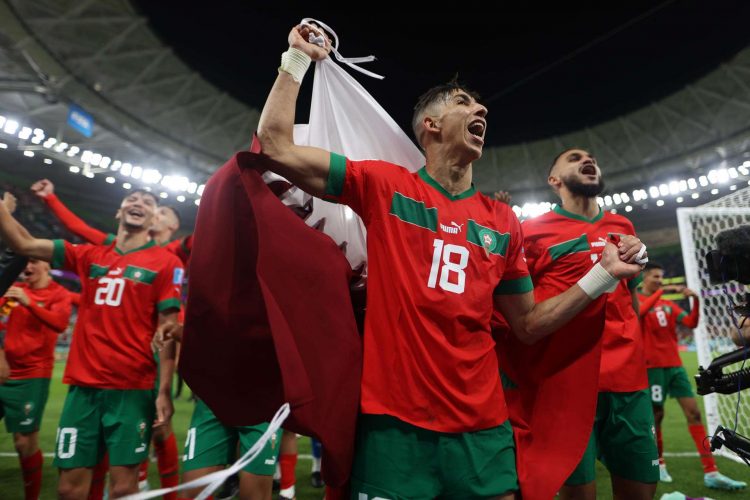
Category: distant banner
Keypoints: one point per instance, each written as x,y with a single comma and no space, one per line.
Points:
80,120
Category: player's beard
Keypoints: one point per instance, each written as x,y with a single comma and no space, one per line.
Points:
580,189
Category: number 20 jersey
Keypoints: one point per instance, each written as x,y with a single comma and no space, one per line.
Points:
435,261
121,296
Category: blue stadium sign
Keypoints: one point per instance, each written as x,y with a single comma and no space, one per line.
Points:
80,120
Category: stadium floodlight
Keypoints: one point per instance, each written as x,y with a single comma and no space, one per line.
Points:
163,195
110,180
175,182
126,169
74,169
600,201
126,185
89,174
199,191
28,153
37,139
25,133
617,198
663,189
48,161
39,133
181,199
714,191
62,146
86,156
608,200
659,203
151,176
713,176
197,202
703,180
653,191
680,199
674,187
51,141
743,169
192,187
732,187
10,127
3,145
96,158
73,150
723,175
732,173
137,172
695,196
116,165
105,161
625,198
628,208
692,184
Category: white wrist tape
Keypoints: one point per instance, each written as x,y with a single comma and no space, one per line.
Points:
295,62
639,258
598,281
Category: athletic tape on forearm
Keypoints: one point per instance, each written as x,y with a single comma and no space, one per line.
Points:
639,258
598,281
295,62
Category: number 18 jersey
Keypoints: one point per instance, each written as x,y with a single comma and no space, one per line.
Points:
435,261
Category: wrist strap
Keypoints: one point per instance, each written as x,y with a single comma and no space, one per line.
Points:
295,62
598,281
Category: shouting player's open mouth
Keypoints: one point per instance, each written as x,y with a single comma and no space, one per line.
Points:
476,130
588,169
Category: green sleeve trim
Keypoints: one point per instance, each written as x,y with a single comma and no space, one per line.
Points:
336,175
634,282
58,253
516,286
168,304
681,316
109,239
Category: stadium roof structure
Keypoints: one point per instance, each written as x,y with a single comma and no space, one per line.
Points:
152,110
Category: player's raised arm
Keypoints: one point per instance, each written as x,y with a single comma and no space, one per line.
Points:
20,241
304,166
531,322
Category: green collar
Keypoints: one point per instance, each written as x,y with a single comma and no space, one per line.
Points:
432,182
561,211
142,247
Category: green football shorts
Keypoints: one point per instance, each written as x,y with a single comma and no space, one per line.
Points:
623,439
396,460
210,443
671,381
97,420
22,404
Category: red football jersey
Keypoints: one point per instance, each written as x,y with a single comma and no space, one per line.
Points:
435,260
660,331
32,331
121,295
560,248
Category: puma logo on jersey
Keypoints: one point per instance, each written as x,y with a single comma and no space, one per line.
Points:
602,242
116,271
452,229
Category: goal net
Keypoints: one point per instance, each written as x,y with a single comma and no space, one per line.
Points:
698,227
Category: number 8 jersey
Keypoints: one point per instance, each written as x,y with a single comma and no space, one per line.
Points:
435,261
121,296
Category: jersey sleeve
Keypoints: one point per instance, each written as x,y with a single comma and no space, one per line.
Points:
74,224
647,302
181,248
58,314
516,279
688,319
355,183
66,255
168,285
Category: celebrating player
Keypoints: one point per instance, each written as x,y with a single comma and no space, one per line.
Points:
130,289
438,251
666,375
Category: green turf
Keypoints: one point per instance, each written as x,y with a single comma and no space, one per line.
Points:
686,472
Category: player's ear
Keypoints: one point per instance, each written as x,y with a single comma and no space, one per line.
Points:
554,182
118,214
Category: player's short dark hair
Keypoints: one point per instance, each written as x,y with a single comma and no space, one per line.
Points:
652,265
554,162
175,212
143,192
439,93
